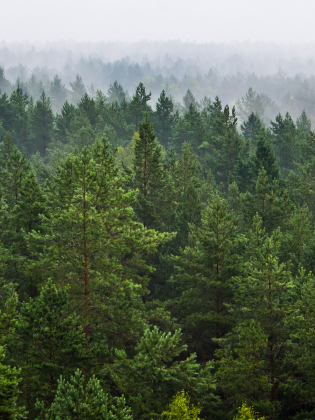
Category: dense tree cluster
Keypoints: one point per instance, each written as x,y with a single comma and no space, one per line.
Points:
155,262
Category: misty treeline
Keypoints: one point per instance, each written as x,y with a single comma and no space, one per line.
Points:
282,75
156,261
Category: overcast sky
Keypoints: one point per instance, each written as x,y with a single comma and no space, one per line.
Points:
133,20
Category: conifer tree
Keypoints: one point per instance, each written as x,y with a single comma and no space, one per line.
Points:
78,89
9,392
23,203
188,205
116,93
148,170
249,104
63,121
79,399
265,157
263,302
251,128
138,106
203,283
19,101
269,200
58,93
164,109
95,245
42,125
189,100
51,343
152,377
4,83
286,140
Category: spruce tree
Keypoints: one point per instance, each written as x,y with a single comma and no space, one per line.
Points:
202,285
251,128
58,93
164,109
51,343
78,89
148,170
138,106
263,295
42,125
265,157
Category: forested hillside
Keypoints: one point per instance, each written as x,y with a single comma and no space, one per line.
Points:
157,256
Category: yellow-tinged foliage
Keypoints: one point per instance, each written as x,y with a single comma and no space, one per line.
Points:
247,413
181,409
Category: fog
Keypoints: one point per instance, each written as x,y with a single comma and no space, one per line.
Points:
211,48
280,21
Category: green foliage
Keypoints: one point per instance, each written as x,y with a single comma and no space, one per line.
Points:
181,409
151,378
247,413
9,380
51,341
203,283
78,400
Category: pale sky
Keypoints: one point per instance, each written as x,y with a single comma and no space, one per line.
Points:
134,20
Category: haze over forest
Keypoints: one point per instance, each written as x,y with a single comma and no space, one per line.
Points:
283,74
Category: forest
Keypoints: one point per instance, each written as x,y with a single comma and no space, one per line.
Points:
157,249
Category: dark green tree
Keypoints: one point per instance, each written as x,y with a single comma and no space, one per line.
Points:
138,106
148,170
51,343
164,109
42,125
79,399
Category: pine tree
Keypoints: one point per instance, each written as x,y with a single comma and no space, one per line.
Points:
270,201
23,203
19,101
63,121
188,205
87,106
286,141
148,170
164,109
249,104
58,93
42,125
35,87
79,399
264,294
78,89
202,286
95,245
116,93
9,381
299,361
189,100
4,83
51,343
251,128
265,158
152,377
138,106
